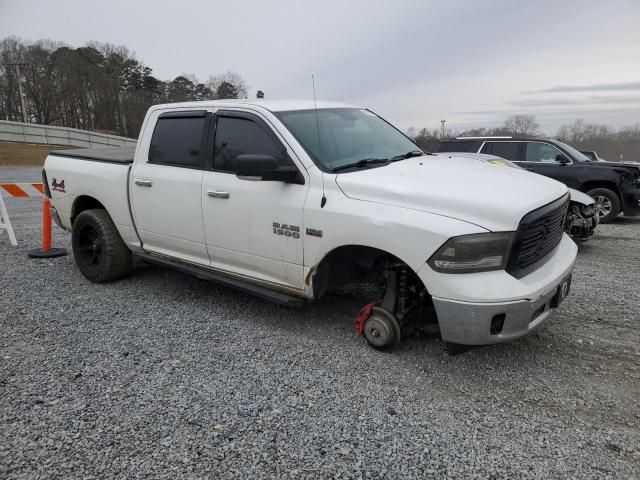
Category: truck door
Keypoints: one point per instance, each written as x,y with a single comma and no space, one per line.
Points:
166,185
253,228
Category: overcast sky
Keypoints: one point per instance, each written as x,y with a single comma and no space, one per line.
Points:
470,62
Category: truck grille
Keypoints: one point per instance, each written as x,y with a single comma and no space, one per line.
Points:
538,234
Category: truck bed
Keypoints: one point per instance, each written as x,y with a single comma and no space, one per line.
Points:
98,173
122,155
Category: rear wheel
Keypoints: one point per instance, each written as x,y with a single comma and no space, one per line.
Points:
607,204
100,253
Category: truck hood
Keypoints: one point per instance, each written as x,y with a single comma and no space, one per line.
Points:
490,195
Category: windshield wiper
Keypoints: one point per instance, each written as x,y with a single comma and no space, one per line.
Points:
365,162
404,156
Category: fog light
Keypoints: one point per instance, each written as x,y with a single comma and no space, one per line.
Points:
497,322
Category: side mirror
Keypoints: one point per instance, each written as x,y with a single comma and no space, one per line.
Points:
265,168
562,160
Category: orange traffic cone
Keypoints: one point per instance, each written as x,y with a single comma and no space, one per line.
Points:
47,251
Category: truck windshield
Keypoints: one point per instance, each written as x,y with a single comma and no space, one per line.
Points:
337,138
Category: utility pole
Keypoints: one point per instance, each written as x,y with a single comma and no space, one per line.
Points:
24,109
442,129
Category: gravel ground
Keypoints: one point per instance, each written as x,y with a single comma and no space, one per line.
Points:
162,375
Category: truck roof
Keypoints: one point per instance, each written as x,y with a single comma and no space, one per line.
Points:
271,105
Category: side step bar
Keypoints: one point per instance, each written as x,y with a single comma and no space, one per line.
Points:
262,292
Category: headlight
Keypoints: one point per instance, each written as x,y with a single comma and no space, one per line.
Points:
479,252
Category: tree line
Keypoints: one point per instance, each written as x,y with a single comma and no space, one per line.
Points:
612,144
99,86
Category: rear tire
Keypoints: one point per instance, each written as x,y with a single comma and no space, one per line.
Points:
99,251
607,204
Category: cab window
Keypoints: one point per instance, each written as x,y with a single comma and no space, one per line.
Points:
506,150
177,140
540,152
241,136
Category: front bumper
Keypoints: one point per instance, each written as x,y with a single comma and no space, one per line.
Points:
487,323
466,304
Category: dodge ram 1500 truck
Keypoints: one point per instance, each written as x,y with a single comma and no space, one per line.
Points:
286,199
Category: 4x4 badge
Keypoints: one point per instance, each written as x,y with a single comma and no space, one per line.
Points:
58,186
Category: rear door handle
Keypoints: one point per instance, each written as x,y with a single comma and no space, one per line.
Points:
143,182
217,194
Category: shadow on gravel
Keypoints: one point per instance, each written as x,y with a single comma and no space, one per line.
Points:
327,329
330,322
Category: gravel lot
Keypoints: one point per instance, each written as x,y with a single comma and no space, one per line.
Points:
162,375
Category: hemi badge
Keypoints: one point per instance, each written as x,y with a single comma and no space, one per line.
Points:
314,233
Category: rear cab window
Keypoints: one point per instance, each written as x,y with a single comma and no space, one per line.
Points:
178,139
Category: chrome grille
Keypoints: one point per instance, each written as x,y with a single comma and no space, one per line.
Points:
538,234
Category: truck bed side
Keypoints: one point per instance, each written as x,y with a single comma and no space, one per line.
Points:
82,178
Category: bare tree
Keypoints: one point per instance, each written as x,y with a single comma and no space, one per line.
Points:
428,140
522,126
227,84
98,86
609,144
484,132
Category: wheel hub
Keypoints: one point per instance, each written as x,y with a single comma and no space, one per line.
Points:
381,329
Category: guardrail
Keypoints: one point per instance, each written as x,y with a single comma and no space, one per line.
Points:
18,132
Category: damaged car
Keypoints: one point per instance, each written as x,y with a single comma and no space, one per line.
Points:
582,216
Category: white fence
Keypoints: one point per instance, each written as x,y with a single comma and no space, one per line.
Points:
18,132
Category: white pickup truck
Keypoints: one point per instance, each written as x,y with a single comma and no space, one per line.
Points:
286,199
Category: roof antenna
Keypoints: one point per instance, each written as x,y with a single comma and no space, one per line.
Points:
315,107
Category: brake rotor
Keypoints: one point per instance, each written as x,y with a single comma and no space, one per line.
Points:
381,329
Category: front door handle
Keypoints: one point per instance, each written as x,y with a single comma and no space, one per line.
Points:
143,182
217,194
